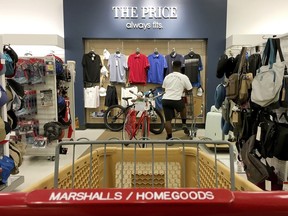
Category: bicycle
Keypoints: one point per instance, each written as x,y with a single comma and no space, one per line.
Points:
133,129
115,115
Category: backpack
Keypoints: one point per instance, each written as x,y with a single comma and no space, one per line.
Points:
10,70
8,49
267,84
11,58
21,74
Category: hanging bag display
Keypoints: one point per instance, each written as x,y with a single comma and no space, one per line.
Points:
233,84
267,83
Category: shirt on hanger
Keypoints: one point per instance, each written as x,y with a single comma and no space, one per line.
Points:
193,65
91,97
138,65
117,64
170,59
92,64
156,70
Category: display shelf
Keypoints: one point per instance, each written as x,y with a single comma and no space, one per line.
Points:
235,43
15,181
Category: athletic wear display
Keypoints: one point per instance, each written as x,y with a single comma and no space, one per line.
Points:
156,70
91,97
170,59
138,65
193,66
117,64
111,96
92,64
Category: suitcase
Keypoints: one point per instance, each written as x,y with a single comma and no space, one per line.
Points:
213,129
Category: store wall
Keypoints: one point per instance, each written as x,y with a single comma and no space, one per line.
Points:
46,17
183,19
257,17
31,17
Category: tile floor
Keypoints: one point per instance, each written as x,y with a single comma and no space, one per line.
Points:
35,168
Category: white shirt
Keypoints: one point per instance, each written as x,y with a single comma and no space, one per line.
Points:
175,83
91,97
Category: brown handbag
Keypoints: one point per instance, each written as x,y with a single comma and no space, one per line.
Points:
234,81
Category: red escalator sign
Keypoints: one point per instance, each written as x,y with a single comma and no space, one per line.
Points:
94,196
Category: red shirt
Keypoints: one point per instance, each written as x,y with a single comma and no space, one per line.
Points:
138,65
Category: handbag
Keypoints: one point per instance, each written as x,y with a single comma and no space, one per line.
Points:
267,83
244,89
256,171
284,90
233,84
280,149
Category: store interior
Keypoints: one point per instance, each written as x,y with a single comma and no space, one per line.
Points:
218,37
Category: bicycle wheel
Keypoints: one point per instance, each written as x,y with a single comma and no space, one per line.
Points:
156,121
114,117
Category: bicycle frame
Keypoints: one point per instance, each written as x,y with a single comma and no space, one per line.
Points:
144,117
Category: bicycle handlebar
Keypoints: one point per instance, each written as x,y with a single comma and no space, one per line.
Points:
146,96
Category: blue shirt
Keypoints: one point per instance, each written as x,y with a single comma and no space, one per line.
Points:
156,70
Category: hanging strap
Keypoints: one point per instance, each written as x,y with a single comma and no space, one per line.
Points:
278,48
270,51
266,53
241,60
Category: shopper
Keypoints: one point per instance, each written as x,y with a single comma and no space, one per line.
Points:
175,84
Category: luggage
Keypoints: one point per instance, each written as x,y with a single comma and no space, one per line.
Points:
213,126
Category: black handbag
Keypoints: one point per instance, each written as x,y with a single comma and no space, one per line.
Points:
256,171
280,150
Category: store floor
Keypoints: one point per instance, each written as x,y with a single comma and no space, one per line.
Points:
35,168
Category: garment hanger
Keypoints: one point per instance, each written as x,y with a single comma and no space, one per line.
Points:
137,51
92,51
191,52
230,53
173,52
156,51
117,51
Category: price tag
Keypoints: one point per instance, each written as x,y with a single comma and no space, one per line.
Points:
3,61
285,186
117,63
268,186
50,67
258,135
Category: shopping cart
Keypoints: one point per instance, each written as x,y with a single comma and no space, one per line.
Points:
191,117
158,180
